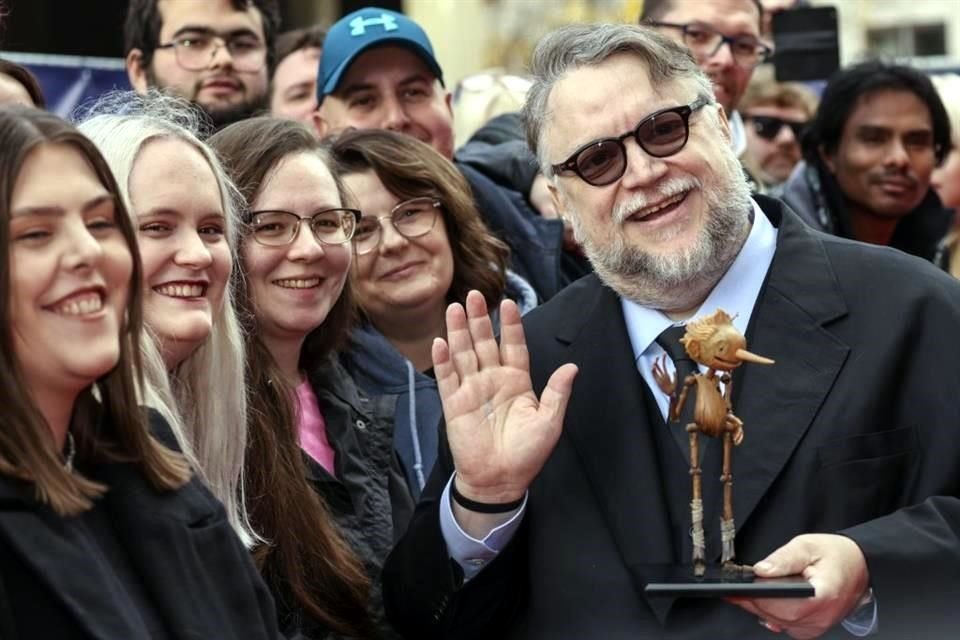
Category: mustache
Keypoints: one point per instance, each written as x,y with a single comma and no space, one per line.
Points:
895,175
666,189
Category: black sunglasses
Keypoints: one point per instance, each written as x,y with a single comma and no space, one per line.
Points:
660,134
768,127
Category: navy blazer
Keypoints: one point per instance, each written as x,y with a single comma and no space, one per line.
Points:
855,430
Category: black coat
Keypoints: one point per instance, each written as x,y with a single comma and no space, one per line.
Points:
854,430
197,575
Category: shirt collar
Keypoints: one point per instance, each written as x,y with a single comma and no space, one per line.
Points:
736,292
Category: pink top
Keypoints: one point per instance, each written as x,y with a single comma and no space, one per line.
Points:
313,429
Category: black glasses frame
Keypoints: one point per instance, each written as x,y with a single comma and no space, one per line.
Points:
573,162
764,53
766,122
296,230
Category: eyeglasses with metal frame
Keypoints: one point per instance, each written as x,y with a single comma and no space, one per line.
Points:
195,51
704,41
661,134
276,228
411,218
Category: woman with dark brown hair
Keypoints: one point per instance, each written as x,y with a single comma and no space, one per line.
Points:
420,245
103,532
19,86
318,448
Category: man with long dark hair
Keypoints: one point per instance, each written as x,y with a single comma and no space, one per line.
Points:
869,154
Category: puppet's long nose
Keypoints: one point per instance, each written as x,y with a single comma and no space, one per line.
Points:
746,356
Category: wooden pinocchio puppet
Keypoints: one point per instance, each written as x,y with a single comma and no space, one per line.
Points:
714,342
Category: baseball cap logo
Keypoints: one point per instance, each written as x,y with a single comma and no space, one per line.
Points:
358,26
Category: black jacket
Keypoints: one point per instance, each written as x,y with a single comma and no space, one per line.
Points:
199,579
813,193
368,498
853,430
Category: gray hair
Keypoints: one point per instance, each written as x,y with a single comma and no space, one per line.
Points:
586,45
204,397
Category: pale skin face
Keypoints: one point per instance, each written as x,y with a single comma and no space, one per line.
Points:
181,225
70,270
731,18
884,160
403,279
640,210
294,91
946,180
219,88
12,92
390,88
294,286
776,158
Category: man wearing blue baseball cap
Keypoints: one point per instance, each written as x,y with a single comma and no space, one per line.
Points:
378,71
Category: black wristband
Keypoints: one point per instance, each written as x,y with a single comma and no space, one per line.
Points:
483,507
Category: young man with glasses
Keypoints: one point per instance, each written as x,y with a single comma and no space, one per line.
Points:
562,490
775,115
218,54
725,39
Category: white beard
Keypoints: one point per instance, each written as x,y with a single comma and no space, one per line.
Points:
683,279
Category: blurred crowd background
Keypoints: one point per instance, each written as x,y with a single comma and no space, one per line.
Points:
76,47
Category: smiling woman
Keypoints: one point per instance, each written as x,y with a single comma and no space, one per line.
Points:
420,245
316,441
184,209
91,502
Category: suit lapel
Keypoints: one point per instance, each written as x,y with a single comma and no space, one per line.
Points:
607,422
63,558
778,403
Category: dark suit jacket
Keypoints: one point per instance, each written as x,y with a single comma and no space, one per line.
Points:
854,430
197,574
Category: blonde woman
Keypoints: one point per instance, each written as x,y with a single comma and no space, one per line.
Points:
946,177
184,210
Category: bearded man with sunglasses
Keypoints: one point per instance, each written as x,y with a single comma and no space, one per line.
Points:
561,487
775,115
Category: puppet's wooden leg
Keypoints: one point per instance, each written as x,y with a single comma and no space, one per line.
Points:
728,530
696,505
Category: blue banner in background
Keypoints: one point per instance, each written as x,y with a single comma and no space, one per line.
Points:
70,81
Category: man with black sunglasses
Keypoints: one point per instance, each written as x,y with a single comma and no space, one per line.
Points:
775,115
561,488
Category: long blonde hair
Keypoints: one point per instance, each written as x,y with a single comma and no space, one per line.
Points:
204,397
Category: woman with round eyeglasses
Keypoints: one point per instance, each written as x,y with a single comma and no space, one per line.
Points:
103,532
322,483
420,245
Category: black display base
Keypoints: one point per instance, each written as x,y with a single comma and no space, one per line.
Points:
678,581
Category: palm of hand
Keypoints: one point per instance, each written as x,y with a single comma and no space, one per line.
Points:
494,416
500,434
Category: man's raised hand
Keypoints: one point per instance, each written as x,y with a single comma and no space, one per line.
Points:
500,434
